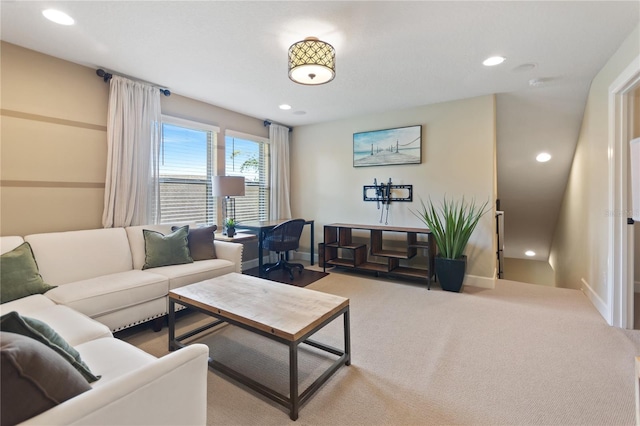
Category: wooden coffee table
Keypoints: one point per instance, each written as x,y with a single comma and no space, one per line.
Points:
284,313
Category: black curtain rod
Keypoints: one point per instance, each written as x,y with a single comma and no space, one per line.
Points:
107,76
268,123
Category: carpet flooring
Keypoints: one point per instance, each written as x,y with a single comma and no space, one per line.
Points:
303,279
519,354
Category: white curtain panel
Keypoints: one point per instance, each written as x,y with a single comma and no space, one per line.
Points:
279,204
133,135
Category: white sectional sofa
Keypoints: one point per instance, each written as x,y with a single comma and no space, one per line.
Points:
135,388
98,272
102,287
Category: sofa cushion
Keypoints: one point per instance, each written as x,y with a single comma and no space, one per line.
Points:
109,293
66,257
163,250
70,324
8,243
113,358
19,274
27,305
38,330
34,378
181,275
201,244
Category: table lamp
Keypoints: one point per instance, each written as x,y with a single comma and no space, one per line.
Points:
227,187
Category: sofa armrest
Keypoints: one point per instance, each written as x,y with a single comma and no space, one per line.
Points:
231,252
169,391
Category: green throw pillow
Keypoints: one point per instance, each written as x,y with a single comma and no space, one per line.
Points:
201,245
19,275
37,330
164,250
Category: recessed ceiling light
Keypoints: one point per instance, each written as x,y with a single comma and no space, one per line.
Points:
494,60
530,253
285,106
543,157
58,17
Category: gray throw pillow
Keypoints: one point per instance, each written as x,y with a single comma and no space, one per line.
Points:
33,379
38,330
19,274
201,245
164,250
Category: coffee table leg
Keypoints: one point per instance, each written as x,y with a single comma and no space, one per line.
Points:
172,323
293,380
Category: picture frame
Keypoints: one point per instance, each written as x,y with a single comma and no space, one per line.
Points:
388,147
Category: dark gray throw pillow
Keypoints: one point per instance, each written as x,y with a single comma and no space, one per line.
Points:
19,274
38,330
33,379
201,242
165,250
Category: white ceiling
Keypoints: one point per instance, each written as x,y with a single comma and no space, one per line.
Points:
390,55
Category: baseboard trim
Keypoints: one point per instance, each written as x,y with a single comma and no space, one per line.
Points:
478,281
304,255
596,300
470,280
249,264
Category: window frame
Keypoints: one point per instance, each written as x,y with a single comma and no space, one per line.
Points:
212,149
267,165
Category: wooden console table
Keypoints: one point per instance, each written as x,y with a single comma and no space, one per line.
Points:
341,250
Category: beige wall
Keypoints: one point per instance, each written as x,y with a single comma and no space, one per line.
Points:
53,141
458,158
579,249
529,271
53,144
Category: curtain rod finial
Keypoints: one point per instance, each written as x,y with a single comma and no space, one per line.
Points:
105,75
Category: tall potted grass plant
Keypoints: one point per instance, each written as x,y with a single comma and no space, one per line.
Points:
451,226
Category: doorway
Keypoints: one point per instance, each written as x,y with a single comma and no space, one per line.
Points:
621,241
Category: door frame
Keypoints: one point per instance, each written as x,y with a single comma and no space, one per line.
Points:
619,257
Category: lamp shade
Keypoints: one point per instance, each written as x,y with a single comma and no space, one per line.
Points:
223,186
312,62
634,153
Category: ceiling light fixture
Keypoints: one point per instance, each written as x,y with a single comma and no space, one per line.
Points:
312,62
285,107
530,253
58,17
543,157
494,60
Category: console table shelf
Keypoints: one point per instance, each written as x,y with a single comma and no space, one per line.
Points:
340,250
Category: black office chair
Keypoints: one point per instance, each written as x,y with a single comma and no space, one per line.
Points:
281,239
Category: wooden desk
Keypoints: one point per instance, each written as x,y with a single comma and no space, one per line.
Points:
260,227
283,313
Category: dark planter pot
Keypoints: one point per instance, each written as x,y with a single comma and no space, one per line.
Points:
231,231
450,273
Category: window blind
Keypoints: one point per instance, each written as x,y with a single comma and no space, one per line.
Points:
185,169
248,156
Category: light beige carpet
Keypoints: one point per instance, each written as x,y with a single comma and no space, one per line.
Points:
520,354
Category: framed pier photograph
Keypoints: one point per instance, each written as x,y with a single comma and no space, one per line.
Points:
402,145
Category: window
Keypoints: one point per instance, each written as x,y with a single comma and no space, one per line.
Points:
185,169
248,156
